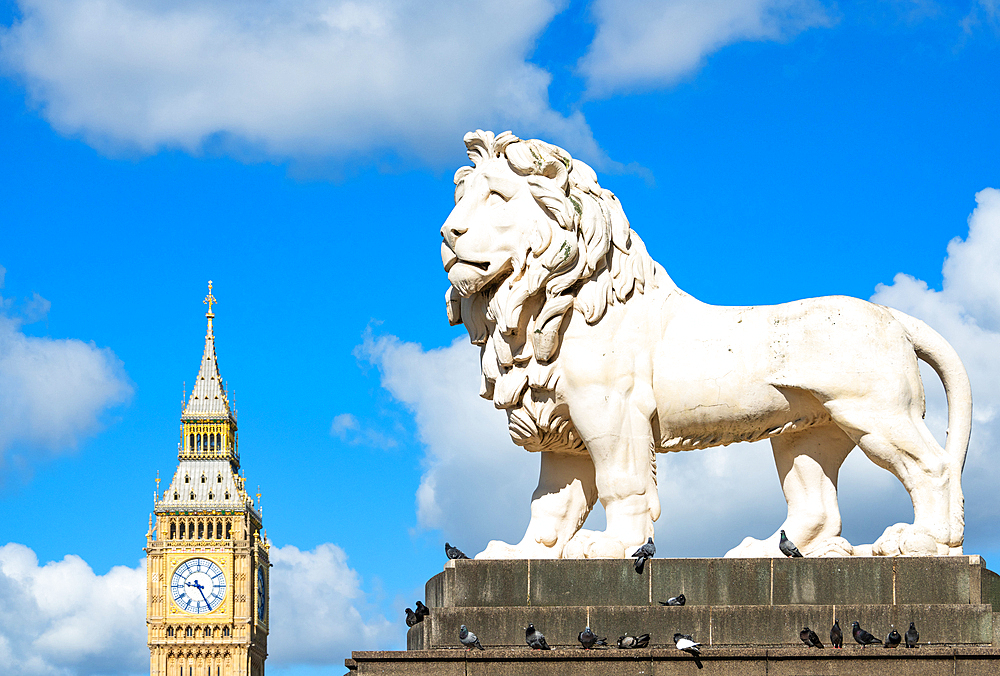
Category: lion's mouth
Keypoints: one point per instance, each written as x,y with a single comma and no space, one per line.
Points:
482,266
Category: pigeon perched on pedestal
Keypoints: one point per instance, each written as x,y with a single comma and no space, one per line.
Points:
468,639
535,638
912,636
589,639
810,638
836,635
411,617
454,552
627,642
893,639
788,548
678,600
421,611
687,644
862,636
647,551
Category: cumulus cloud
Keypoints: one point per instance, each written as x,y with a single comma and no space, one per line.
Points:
52,391
642,44
319,613
966,311
61,618
475,484
287,78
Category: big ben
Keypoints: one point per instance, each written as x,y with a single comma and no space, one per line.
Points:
207,566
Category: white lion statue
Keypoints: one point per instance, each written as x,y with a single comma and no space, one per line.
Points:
601,361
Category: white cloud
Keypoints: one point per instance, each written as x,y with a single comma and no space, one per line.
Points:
348,429
643,44
476,485
320,78
53,391
319,613
60,618
966,311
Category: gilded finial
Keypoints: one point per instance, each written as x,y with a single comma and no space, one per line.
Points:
157,481
209,299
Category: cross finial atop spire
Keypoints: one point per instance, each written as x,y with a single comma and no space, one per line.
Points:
209,299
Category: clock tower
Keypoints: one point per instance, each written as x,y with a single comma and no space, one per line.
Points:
207,568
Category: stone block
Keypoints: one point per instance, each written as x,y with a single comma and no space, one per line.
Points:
937,624
769,625
857,661
713,582
561,663
487,583
990,589
832,580
659,622
717,662
434,591
567,583
409,663
940,579
503,627
415,638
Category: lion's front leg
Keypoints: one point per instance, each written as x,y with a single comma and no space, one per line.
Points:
565,495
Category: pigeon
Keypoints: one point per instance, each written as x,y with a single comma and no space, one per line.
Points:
686,643
454,552
626,642
912,636
788,548
535,638
647,551
678,600
810,638
862,636
836,635
893,639
589,639
411,617
468,639
422,611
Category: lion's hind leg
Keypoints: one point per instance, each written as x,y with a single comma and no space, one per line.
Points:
900,442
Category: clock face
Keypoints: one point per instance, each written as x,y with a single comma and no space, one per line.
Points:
198,586
261,594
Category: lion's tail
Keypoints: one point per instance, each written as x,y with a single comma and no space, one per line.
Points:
932,348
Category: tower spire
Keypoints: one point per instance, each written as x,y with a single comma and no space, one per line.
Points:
208,423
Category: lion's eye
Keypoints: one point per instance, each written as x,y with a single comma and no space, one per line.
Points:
496,197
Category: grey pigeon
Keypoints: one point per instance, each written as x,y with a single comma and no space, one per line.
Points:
626,642
647,551
862,636
893,639
535,638
589,639
454,552
678,600
810,638
422,611
788,548
468,639
836,635
912,636
411,617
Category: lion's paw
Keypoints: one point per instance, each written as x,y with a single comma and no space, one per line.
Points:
498,549
904,539
752,548
831,547
591,544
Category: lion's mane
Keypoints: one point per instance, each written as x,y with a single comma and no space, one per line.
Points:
584,258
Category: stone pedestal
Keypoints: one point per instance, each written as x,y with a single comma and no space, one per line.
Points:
747,613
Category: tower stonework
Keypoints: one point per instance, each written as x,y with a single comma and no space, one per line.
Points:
207,569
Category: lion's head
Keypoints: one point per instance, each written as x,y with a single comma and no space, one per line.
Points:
532,237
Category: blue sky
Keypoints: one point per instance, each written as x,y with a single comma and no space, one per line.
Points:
301,157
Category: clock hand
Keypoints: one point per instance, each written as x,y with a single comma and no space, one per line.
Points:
201,588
